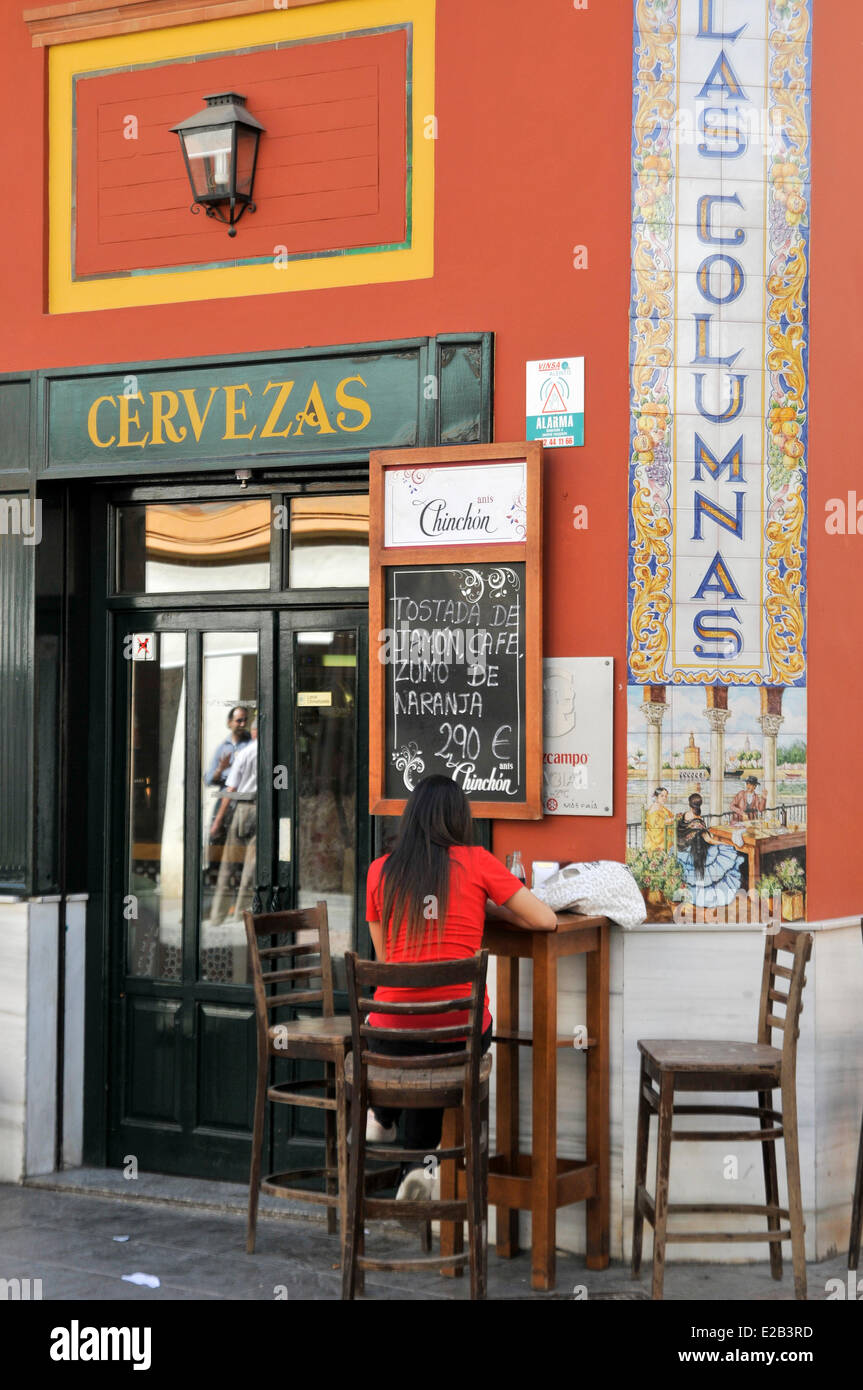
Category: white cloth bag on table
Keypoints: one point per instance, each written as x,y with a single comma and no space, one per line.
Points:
598,888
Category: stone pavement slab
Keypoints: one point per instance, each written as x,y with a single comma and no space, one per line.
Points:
191,1235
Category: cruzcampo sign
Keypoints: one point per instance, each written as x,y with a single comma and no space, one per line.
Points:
197,414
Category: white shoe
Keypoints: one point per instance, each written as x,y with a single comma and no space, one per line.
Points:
419,1185
376,1133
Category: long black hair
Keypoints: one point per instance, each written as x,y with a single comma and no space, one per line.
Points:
696,839
416,876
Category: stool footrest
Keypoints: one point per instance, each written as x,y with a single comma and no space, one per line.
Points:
721,1237
286,1092
280,1185
750,1208
760,1136
428,1262
417,1155
424,1210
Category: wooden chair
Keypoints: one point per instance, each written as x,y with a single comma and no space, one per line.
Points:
857,1209
322,1039
459,1078
668,1066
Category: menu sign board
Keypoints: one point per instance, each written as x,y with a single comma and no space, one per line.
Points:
455,626
455,690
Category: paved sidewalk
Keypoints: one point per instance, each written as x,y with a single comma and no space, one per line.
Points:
191,1235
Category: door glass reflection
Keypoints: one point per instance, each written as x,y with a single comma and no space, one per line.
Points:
187,547
153,904
326,735
330,542
229,801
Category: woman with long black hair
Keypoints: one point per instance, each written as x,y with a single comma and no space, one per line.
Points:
426,901
711,869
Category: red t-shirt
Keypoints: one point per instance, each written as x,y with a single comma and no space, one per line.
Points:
475,876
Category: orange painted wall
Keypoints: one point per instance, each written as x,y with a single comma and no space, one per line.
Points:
533,105
835,749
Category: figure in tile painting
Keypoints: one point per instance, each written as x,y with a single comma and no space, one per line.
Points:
711,870
747,804
658,833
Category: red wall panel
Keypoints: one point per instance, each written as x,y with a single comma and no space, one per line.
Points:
331,165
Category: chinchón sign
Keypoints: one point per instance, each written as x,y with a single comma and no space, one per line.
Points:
719,352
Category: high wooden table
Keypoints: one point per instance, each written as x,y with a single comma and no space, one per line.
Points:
540,1182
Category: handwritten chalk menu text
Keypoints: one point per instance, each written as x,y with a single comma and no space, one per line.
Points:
454,656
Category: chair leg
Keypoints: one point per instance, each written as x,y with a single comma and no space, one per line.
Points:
663,1165
353,1245
771,1183
641,1144
857,1209
257,1149
330,1133
451,1232
795,1199
342,1152
473,1192
485,1142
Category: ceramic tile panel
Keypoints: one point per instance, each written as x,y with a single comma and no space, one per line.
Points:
719,441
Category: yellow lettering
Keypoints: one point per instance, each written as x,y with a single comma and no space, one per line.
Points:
129,417
92,423
352,403
197,421
269,431
164,416
314,413
233,408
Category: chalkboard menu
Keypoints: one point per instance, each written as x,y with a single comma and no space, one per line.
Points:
455,678
455,625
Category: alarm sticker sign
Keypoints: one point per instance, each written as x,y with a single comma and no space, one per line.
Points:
555,401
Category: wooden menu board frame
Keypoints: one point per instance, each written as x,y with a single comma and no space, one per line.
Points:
384,557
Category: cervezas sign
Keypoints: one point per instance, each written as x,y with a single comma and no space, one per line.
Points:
159,415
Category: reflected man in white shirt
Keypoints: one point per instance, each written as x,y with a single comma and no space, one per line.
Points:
241,789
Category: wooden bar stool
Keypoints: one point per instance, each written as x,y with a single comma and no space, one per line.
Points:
459,1078
672,1065
857,1209
325,1039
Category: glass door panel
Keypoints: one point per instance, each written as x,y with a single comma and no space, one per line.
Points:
229,801
325,686
153,891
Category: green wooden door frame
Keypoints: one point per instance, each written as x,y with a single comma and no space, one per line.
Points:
455,406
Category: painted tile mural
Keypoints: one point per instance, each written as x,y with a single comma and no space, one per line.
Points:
716,791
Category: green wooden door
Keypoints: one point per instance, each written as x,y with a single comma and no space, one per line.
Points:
321,809
240,767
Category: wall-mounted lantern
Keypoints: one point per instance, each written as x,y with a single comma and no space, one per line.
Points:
220,147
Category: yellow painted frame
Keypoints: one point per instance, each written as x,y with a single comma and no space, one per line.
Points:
416,262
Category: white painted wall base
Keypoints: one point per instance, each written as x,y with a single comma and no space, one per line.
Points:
28,1036
672,981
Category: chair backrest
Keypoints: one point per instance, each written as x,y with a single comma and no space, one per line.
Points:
365,976
782,986
278,931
